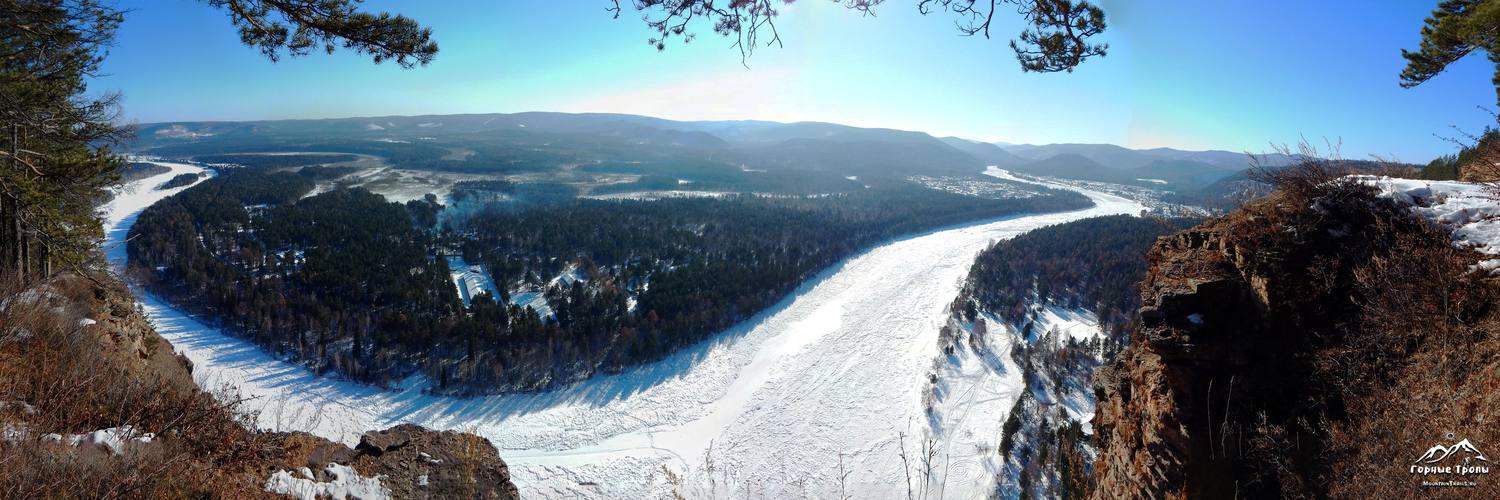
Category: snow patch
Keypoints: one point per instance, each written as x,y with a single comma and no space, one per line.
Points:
180,132
346,484
1077,324
114,439
1471,215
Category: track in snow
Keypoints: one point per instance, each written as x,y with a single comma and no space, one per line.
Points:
835,369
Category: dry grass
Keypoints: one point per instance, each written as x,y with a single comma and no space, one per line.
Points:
78,379
1387,343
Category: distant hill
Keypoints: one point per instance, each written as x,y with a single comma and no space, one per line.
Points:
985,152
746,136
1168,174
743,133
1105,154
507,143
1069,166
883,159
1119,157
498,143
649,135
428,125
1229,190
1225,159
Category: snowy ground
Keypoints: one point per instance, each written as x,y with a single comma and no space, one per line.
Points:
836,369
1469,212
535,295
1079,324
973,390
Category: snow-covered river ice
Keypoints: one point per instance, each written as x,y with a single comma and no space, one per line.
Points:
833,374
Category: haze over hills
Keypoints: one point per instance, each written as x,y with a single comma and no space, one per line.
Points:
991,153
520,142
741,133
1106,154
1119,157
1176,175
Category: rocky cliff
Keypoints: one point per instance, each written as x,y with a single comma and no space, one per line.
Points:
93,403
413,462
1310,345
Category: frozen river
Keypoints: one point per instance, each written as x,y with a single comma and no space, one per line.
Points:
832,374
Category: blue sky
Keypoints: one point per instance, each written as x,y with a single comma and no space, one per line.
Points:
1205,74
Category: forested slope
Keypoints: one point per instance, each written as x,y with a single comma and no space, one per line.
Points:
1095,264
347,283
344,267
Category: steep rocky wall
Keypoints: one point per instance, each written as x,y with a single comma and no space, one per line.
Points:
1309,345
1199,318
124,331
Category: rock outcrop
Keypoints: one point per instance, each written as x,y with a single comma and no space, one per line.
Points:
123,329
412,462
79,358
1200,321
1309,345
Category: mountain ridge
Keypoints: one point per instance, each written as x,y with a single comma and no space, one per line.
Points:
737,133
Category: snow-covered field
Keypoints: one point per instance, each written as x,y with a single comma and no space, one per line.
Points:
769,409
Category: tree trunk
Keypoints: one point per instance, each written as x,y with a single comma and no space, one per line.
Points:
45,256
8,240
24,269
10,222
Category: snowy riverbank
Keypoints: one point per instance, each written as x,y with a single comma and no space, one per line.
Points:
834,370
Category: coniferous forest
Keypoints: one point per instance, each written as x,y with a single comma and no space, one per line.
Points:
1094,263
348,284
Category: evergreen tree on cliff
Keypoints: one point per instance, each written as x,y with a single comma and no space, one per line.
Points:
1456,29
56,136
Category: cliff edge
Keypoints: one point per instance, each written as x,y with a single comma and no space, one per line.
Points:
95,404
1313,344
